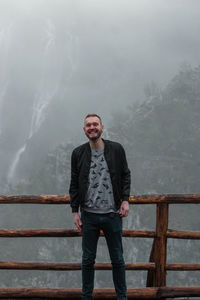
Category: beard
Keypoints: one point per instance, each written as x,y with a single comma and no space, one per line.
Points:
96,137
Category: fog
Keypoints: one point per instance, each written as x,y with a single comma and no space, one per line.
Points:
63,59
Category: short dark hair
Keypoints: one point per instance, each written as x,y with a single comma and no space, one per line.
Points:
93,115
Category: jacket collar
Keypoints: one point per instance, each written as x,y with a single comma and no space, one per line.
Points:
105,146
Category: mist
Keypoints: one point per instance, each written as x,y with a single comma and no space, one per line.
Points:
68,58
135,63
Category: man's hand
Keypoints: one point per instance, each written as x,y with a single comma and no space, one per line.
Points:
124,209
77,221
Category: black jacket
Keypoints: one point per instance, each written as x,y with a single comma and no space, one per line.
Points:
80,166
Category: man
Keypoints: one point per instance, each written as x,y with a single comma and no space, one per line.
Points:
100,187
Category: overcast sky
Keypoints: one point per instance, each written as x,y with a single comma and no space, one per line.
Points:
117,46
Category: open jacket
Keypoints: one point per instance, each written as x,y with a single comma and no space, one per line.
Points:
80,166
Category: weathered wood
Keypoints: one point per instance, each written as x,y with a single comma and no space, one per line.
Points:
161,244
39,233
159,248
34,199
142,293
14,265
151,276
183,267
139,233
13,233
72,293
177,234
134,199
172,292
156,268
166,198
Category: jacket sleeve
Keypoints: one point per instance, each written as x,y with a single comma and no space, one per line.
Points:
74,184
125,177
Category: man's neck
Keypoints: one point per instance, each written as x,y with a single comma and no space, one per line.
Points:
97,144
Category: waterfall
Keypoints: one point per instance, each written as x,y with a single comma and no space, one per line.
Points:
44,95
40,106
49,83
15,162
46,91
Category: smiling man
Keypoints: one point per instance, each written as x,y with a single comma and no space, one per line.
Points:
100,188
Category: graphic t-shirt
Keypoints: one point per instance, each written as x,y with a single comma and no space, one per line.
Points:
99,198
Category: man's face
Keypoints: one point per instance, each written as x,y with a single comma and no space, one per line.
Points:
93,128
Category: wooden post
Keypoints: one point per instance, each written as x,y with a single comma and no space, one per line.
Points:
151,273
161,244
158,255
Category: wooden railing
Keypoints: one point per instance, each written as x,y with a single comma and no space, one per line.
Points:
156,277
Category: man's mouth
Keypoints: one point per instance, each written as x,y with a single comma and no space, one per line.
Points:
93,131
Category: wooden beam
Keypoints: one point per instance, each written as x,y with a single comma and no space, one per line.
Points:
14,265
177,234
139,293
134,199
98,266
34,199
72,293
172,292
139,233
166,198
13,233
183,267
39,233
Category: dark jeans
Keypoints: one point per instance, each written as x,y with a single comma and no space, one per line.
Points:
111,224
